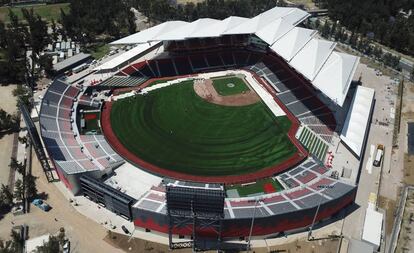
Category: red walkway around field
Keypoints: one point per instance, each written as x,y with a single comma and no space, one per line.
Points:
231,179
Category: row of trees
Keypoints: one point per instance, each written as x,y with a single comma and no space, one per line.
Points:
357,41
387,22
17,38
93,20
25,188
16,243
163,10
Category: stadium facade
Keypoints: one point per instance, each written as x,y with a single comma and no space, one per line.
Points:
302,72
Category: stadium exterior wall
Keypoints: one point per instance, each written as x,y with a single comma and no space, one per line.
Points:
233,228
72,181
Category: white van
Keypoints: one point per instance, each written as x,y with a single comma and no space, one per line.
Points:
380,154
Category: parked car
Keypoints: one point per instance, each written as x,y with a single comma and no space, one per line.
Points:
126,231
41,204
66,247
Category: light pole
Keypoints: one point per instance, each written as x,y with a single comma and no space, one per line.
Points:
251,225
317,210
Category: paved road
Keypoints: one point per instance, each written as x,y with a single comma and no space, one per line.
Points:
378,134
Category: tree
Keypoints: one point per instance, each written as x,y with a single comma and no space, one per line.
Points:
332,32
55,30
412,74
317,24
51,246
15,245
353,39
17,166
385,21
30,185
6,197
18,190
131,22
12,43
37,38
46,63
326,29
7,121
61,236
87,21
17,242
23,94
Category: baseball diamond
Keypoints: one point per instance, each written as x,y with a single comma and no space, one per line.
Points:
255,111
176,129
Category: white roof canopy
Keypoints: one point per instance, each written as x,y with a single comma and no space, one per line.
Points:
275,29
151,33
356,122
311,58
216,29
186,31
290,44
329,72
335,77
253,25
125,57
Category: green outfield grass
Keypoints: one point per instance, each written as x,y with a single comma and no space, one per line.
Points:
175,129
258,187
221,85
47,12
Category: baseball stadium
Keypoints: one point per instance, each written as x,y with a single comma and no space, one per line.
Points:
254,109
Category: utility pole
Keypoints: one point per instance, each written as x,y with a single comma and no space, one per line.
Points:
317,210
252,224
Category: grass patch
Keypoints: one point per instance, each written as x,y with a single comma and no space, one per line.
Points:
258,187
47,12
91,123
226,86
98,50
174,128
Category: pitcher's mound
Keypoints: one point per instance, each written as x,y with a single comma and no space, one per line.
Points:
205,89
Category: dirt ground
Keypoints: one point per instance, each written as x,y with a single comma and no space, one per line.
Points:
85,234
205,89
406,237
408,116
408,169
138,245
389,205
7,103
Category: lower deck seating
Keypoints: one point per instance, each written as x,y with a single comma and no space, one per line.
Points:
68,152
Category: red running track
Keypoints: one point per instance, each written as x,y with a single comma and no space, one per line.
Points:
113,140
